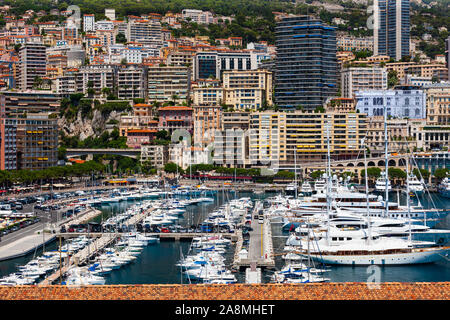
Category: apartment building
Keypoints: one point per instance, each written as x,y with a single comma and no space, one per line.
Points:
247,90
88,22
131,82
32,65
136,122
8,143
66,84
17,103
399,67
426,70
36,142
278,139
438,103
211,64
176,117
138,137
231,145
360,79
168,83
350,43
147,32
97,77
157,155
341,105
207,119
198,16
306,64
392,28
181,58
207,96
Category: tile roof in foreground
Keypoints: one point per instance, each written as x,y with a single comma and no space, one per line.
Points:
315,291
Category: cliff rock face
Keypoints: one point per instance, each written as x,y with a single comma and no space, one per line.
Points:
87,127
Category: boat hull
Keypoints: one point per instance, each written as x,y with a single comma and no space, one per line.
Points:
382,259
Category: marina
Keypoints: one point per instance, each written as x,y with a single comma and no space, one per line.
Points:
265,243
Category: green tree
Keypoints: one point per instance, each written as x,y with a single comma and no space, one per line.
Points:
171,167
316,174
421,172
441,173
392,78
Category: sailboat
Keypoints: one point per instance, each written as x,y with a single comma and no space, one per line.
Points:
364,247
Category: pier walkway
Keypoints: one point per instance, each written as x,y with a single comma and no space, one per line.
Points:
260,249
81,257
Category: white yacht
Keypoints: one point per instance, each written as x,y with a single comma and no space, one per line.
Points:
415,185
380,184
357,247
444,188
306,188
320,185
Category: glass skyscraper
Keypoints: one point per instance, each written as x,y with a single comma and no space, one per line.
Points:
306,64
391,34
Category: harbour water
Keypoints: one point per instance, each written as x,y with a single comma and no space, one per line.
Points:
156,264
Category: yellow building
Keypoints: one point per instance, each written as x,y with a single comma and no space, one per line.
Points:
438,103
276,138
247,90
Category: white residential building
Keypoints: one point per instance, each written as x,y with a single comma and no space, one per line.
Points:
360,79
88,22
402,102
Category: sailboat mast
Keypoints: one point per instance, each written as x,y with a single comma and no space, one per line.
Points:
386,175
408,199
295,168
328,182
367,192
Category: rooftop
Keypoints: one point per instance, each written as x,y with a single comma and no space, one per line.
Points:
310,291
175,108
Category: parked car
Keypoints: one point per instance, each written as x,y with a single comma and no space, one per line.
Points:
165,230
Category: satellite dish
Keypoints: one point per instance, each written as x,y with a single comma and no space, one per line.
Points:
380,198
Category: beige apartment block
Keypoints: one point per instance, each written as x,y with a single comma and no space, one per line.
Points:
277,138
438,103
247,90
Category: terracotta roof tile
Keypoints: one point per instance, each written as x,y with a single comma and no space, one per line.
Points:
310,291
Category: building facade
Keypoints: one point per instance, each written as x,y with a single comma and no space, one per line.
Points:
402,102
32,65
438,104
247,90
360,79
166,83
392,28
279,139
306,63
